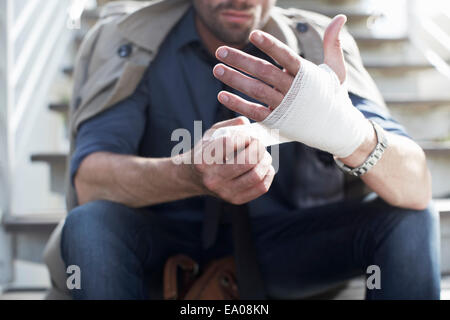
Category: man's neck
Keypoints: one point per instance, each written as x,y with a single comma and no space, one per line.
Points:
211,42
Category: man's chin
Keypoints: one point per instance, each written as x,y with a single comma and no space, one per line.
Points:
235,35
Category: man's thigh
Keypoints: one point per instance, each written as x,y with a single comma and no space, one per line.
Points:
307,252
122,251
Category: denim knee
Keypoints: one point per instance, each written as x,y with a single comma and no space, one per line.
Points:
408,254
96,220
421,225
88,216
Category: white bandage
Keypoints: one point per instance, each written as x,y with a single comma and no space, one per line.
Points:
316,111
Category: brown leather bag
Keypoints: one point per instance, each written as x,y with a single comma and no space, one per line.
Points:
182,280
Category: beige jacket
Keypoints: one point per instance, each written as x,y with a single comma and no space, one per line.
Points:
103,78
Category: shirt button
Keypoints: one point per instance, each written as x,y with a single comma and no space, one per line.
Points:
125,50
302,27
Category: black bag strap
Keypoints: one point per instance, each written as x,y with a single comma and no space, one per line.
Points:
250,281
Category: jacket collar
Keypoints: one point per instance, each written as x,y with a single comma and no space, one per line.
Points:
149,26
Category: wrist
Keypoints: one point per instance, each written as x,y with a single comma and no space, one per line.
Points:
359,156
186,176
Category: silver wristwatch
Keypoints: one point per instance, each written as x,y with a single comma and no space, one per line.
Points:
374,157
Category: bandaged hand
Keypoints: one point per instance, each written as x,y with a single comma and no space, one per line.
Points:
306,103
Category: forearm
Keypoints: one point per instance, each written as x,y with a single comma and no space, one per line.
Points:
134,181
401,177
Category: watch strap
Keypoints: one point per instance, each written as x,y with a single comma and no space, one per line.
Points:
373,158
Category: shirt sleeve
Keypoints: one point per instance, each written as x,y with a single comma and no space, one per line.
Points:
378,114
117,130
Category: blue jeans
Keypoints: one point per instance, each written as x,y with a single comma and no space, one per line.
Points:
121,251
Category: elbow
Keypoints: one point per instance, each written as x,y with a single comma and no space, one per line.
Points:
423,194
419,196
417,202
422,201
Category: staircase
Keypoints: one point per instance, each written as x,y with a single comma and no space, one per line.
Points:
36,44
415,89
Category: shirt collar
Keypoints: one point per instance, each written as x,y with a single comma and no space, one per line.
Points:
189,32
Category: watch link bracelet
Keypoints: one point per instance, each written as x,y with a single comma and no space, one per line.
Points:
373,158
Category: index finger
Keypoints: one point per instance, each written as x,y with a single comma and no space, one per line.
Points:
277,50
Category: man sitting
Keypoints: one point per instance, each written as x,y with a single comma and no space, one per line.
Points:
137,205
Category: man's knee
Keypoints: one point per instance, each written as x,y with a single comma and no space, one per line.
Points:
95,221
408,254
422,225
93,214
410,235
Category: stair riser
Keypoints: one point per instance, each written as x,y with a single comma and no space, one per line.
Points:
398,53
440,171
419,84
424,123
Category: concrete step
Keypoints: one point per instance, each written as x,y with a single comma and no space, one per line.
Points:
44,222
394,53
375,41
389,68
50,157
354,15
411,102
57,163
419,84
438,158
424,119
59,107
68,71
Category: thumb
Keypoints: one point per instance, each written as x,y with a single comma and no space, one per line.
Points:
239,121
333,54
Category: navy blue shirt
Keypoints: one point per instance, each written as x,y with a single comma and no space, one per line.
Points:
178,89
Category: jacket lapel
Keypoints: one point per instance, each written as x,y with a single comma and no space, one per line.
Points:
149,26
